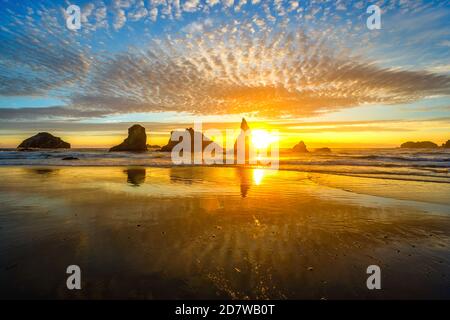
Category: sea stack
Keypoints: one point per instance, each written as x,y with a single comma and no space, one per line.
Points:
136,141
446,145
300,148
245,134
195,136
44,140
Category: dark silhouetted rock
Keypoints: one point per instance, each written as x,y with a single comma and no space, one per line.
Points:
246,132
136,141
300,148
70,158
44,140
244,125
446,145
419,145
323,150
195,136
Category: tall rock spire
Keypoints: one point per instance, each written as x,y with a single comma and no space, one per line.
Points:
245,142
244,125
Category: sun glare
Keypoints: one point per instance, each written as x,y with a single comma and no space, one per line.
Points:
261,139
258,175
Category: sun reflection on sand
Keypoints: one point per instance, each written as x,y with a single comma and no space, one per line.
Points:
258,175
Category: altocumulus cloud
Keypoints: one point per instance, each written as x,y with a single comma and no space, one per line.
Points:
266,63
35,60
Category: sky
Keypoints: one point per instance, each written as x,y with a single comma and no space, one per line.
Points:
312,70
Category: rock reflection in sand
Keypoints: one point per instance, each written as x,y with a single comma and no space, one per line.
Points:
136,176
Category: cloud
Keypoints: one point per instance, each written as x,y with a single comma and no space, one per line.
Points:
191,5
86,11
153,14
245,64
443,68
283,74
36,57
228,3
47,113
101,17
197,26
139,12
120,19
212,3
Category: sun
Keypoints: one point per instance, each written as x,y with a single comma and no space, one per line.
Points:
261,139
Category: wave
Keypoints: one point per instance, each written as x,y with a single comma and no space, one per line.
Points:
428,164
400,158
395,162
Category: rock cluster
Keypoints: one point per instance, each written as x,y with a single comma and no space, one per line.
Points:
194,136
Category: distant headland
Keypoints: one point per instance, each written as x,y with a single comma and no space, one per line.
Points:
423,145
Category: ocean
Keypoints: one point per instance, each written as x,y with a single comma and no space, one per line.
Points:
430,165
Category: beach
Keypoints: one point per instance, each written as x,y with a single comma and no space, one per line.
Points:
167,232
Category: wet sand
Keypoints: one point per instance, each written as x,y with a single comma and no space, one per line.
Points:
232,233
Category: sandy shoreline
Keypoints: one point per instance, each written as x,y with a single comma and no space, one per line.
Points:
205,232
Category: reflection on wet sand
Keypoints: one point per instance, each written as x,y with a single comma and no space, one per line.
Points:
45,171
231,233
249,177
245,177
136,176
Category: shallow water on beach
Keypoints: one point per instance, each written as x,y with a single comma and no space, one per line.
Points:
204,232
402,164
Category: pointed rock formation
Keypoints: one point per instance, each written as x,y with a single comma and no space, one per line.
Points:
136,141
245,134
244,125
300,148
44,140
195,136
446,145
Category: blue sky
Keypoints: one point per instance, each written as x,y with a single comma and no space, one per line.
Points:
217,60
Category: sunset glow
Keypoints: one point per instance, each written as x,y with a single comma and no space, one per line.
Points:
223,156
262,139
284,64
